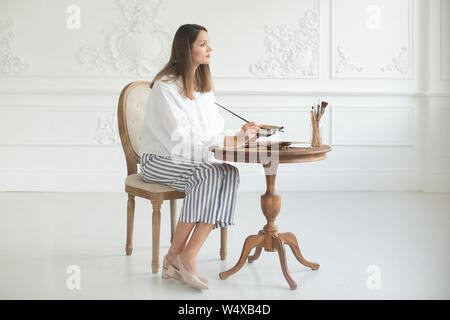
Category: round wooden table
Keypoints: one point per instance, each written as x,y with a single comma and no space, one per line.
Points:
270,156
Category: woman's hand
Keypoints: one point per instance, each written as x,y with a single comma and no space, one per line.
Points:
247,134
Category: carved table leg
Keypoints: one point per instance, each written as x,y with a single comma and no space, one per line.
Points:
250,243
290,239
278,244
257,251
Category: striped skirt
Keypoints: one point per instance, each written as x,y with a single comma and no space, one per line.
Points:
210,187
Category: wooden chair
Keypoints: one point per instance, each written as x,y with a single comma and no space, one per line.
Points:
130,115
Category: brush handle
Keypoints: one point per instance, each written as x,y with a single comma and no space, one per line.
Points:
241,117
232,113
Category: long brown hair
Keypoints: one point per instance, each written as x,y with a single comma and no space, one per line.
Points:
180,62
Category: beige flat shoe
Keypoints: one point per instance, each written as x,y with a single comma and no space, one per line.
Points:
190,278
169,271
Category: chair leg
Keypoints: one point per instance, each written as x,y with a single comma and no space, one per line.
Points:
130,222
156,224
223,242
173,217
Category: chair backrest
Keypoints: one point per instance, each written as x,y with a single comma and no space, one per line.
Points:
130,116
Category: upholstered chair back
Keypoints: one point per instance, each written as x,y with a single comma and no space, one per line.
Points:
130,115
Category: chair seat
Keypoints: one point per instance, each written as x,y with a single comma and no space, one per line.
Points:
136,181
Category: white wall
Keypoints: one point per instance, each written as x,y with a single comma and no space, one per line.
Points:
382,65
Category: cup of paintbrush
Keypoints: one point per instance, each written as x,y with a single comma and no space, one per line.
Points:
315,140
316,115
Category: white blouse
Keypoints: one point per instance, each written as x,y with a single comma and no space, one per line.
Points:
176,126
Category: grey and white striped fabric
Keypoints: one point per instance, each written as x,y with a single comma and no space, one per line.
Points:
210,187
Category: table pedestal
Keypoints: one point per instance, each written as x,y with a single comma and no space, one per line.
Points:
269,238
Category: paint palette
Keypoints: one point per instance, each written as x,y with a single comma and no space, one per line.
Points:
281,145
268,130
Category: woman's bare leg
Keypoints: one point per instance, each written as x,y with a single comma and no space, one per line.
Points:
179,240
189,254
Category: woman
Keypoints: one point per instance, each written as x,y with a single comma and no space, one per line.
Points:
181,125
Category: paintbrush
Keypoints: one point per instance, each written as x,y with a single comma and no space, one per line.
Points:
323,105
267,131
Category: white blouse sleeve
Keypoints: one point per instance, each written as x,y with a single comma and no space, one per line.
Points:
215,135
178,133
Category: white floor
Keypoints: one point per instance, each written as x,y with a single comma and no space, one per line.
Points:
396,240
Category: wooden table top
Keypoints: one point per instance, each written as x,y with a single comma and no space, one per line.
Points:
266,152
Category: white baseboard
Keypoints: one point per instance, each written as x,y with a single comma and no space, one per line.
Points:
251,180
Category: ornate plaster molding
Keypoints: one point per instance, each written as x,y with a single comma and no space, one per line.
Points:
345,63
137,45
400,63
107,129
9,63
292,51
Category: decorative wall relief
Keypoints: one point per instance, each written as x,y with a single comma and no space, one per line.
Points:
292,51
9,63
345,63
400,63
107,130
378,36
136,45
